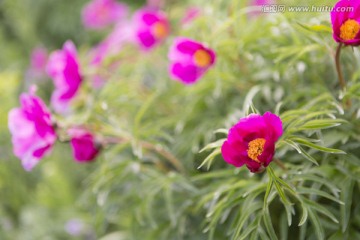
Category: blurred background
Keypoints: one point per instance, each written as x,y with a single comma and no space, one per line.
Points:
50,202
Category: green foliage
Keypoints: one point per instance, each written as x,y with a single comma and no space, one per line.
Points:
167,179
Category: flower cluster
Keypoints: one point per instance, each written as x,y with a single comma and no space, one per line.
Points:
250,142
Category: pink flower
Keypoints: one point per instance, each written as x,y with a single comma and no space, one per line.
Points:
190,15
38,59
83,144
101,13
346,23
252,141
110,46
151,28
63,67
189,60
260,3
33,134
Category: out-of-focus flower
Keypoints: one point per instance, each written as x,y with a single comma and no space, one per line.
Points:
151,27
190,15
346,23
38,59
83,144
33,134
252,141
260,3
63,67
189,60
101,13
109,47
75,227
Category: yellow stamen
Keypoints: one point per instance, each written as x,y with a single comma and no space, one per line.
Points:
202,58
349,30
159,30
256,148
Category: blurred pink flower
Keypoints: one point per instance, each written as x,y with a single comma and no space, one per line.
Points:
189,60
151,27
83,144
260,3
75,227
63,67
38,59
111,46
252,141
98,14
190,15
33,134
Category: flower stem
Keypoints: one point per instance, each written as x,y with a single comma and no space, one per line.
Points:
280,164
338,67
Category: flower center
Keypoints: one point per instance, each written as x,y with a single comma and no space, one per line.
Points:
159,30
202,58
349,30
256,148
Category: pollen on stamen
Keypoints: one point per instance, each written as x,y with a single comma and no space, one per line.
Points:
256,148
349,30
159,30
202,58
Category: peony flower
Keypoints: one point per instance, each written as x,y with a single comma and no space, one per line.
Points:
252,141
101,13
345,23
151,28
189,60
33,134
63,67
83,144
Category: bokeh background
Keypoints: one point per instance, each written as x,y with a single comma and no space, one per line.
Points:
55,200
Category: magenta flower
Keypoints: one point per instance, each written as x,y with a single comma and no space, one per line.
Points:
189,60
101,13
38,59
33,134
151,28
83,144
252,141
63,67
346,23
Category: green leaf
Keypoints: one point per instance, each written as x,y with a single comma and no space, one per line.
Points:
308,156
268,224
304,142
319,230
303,190
319,208
346,196
210,158
304,215
316,28
212,145
321,124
